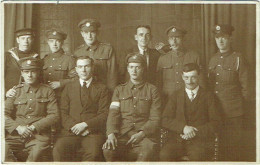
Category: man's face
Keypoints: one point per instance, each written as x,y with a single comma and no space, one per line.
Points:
175,42
30,76
223,42
191,79
84,69
89,37
24,42
55,45
143,36
135,71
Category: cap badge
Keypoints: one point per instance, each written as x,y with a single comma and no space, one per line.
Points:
173,30
87,24
54,33
217,27
29,62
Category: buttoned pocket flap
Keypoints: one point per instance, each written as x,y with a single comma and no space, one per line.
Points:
61,67
102,56
42,100
169,66
232,66
20,101
145,98
125,97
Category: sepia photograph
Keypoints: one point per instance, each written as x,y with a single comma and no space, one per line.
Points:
129,81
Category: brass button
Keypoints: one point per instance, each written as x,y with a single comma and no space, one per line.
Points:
49,73
216,91
53,59
28,117
50,66
216,82
217,74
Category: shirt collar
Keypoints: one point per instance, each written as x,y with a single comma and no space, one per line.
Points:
93,47
194,91
88,82
33,88
58,54
131,85
141,50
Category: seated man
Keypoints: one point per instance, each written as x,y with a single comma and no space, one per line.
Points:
134,117
84,108
29,114
192,118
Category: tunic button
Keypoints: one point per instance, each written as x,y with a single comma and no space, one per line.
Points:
134,97
216,91
30,108
216,82
30,91
217,74
50,66
177,82
221,56
219,65
30,99
134,123
49,81
134,88
177,72
134,105
28,117
53,59
49,73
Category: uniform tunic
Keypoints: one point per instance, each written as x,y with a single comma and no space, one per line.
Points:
170,67
104,61
30,106
228,77
57,67
12,72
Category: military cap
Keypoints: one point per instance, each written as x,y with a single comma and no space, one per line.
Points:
24,31
89,24
135,58
175,31
30,63
55,34
222,29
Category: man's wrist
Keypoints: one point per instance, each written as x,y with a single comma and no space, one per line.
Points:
17,127
85,124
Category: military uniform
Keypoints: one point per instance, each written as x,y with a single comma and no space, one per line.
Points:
170,65
58,66
228,78
35,106
103,55
139,110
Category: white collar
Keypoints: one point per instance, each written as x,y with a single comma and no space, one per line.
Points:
88,82
141,50
194,91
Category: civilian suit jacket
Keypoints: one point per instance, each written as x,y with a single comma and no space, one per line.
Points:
206,117
94,114
151,71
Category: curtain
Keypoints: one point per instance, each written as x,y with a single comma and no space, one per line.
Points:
17,16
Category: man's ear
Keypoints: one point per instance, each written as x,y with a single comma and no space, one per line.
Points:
17,40
82,33
136,37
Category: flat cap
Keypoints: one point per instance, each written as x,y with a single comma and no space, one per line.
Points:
222,29
136,58
30,63
175,31
89,24
24,31
55,34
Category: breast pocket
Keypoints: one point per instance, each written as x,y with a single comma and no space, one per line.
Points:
230,73
20,104
167,72
125,103
42,106
144,104
101,65
61,71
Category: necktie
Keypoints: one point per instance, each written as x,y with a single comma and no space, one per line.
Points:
192,96
146,57
84,94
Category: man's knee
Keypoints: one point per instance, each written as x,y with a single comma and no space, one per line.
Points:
197,155
148,150
110,155
95,154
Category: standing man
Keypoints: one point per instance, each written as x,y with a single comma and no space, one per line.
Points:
133,122
12,73
228,77
192,117
57,64
29,114
84,108
170,65
143,37
102,53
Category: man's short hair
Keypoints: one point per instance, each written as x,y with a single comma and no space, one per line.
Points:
191,67
85,58
143,26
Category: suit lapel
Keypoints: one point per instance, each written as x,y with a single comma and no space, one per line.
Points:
77,94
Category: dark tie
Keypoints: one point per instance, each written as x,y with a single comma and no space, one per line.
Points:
84,94
192,96
146,56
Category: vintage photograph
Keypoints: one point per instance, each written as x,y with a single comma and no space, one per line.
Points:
122,81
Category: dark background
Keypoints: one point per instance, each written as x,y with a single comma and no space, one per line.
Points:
118,23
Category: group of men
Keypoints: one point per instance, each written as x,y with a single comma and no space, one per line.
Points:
165,88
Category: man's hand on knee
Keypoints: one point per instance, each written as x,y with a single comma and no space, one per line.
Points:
111,142
24,131
136,138
78,128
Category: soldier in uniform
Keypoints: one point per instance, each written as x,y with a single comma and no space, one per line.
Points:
12,73
170,65
143,37
57,64
29,114
84,108
134,117
228,78
102,53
